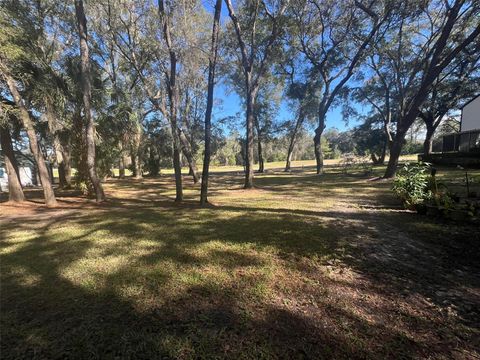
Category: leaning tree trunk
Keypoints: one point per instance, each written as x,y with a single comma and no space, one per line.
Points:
187,151
212,61
293,139
15,191
32,137
86,89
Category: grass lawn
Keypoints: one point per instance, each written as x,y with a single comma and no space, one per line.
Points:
303,266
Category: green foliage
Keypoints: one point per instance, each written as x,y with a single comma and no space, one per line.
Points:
411,184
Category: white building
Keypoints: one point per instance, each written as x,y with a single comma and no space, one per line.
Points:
468,139
24,170
25,177
471,115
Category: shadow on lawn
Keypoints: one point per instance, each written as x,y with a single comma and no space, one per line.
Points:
47,315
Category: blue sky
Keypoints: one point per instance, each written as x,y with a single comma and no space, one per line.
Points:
231,103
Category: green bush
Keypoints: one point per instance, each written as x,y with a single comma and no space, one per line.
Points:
411,184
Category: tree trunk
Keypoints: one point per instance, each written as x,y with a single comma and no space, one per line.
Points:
317,140
173,98
381,159
61,157
395,151
66,164
121,162
428,143
293,139
208,112
32,137
135,154
249,140
121,168
154,165
63,161
318,150
172,91
187,151
86,89
261,163
136,166
15,191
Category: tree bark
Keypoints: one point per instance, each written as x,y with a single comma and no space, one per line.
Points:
395,151
48,193
173,98
15,191
86,89
428,143
293,140
187,151
135,155
121,162
62,155
317,143
249,139
212,62
381,159
261,162
317,140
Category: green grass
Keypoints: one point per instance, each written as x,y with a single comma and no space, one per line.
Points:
303,266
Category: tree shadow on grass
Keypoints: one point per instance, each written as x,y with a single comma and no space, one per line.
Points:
190,282
48,314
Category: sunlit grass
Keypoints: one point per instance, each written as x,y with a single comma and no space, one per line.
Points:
260,273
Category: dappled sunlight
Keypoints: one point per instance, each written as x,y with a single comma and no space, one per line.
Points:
321,264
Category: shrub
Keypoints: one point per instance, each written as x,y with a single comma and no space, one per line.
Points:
411,184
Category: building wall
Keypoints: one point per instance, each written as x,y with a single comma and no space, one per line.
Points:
471,116
25,177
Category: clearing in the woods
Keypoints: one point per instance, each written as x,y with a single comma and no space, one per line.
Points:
303,266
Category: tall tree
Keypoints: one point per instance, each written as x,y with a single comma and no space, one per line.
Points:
420,54
173,98
15,191
28,125
86,88
257,30
212,62
333,39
